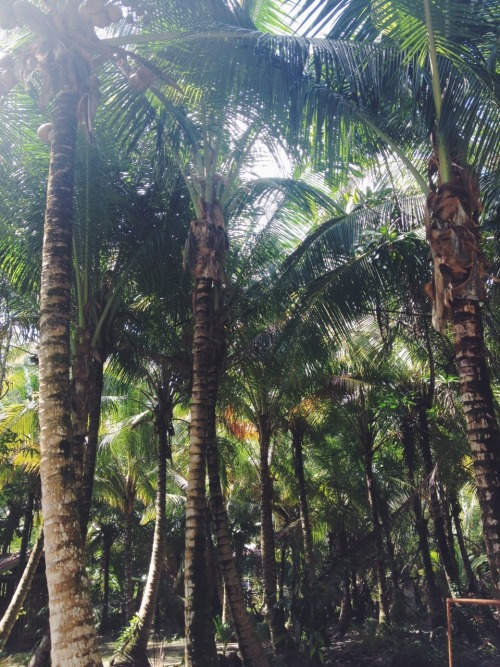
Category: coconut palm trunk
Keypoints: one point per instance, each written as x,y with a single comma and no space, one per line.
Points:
128,582
94,420
205,253
345,615
452,223
251,649
12,612
73,635
383,616
297,427
267,544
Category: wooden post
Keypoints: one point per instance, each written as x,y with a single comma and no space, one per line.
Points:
449,602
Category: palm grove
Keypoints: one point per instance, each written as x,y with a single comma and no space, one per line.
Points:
288,381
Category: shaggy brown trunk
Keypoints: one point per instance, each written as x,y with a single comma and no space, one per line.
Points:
297,428
251,649
205,253
73,635
452,222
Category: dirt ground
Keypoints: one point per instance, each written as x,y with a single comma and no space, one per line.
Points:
161,654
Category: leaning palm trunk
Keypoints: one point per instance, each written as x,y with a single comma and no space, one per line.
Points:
73,635
12,612
251,649
452,223
205,252
134,652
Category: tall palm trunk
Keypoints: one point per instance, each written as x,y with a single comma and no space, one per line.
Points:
28,524
383,616
128,582
73,635
251,649
108,537
12,612
267,544
134,652
342,554
205,252
80,396
297,427
452,222
94,420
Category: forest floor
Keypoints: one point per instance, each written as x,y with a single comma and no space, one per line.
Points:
357,649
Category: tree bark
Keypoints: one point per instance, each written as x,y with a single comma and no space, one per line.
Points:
12,612
73,635
205,253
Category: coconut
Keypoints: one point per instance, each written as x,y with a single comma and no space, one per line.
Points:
6,61
44,132
101,20
114,12
141,79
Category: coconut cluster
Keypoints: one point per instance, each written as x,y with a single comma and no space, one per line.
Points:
101,14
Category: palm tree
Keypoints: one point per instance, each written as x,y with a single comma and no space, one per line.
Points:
444,51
